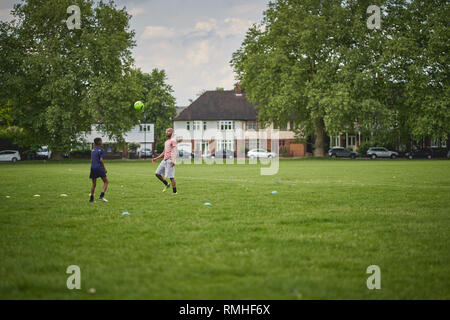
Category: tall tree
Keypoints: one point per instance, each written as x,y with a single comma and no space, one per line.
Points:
61,81
318,61
418,63
159,101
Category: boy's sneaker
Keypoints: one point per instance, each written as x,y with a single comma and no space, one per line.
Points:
103,199
166,187
91,200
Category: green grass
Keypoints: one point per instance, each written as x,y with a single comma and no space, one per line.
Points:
314,239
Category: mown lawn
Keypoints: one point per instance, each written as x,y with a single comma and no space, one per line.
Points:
313,239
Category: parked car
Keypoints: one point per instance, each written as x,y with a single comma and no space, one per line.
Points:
145,153
339,152
10,155
260,153
379,152
43,153
419,153
221,154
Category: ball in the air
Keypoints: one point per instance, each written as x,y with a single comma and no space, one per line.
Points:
138,105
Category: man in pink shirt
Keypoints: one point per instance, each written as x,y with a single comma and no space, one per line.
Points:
167,167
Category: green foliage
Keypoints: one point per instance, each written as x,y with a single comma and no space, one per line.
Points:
284,151
317,61
133,146
60,81
160,146
158,99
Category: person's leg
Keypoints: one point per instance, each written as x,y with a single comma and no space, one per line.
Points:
160,172
160,177
105,186
94,184
174,185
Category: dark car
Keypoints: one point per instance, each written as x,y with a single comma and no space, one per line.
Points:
420,153
222,154
339,152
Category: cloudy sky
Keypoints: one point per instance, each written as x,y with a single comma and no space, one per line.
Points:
191,39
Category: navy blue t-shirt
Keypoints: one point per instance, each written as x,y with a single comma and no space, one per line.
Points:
96,154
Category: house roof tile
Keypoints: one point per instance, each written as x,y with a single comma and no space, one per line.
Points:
219,105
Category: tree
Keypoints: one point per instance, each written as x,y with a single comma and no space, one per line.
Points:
158,101
318,62
418,60
60,81
312,60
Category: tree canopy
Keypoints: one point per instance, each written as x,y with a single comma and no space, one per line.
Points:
318,63
57,82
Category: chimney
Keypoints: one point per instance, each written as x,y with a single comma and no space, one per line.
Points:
238,89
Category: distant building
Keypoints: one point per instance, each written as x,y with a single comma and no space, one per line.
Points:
226,120
144,134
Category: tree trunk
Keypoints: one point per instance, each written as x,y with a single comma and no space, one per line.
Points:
319,142
57,155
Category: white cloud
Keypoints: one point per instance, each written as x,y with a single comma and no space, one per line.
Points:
194,48
235,26
157,32
200,53
206,26
136,11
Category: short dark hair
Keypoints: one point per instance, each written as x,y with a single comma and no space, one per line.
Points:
97,141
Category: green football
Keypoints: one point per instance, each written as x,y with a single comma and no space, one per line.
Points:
138,105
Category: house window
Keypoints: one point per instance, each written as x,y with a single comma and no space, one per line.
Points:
188,127
226,145
291,125
204,125
337,141
252,125
281,127
351,141
226,125
196,125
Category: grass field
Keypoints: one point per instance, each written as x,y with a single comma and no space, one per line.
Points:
313,239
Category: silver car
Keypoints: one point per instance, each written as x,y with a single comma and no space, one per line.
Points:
379,152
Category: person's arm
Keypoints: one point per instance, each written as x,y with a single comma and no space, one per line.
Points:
103,165
158,157
102,155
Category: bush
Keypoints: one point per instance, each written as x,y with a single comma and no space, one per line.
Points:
133,146
364,146
284,152
160,147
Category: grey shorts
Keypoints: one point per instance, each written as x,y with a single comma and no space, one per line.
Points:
165,169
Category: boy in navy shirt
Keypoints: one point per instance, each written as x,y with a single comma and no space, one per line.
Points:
98,169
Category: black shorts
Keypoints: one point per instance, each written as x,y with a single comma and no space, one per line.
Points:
97,173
